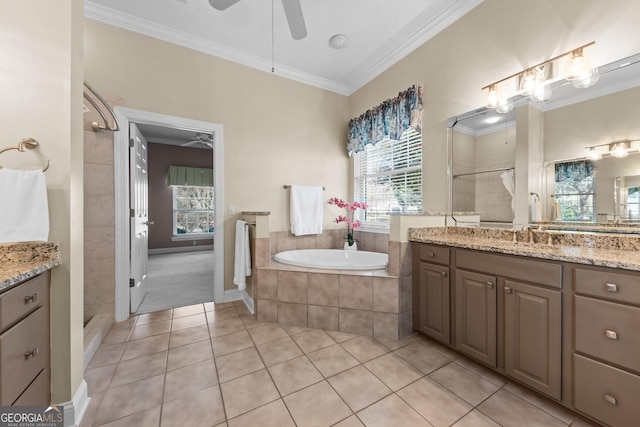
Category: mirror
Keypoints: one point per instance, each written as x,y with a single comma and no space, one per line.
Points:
482,165
571,121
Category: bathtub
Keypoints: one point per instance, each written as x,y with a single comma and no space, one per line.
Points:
334,259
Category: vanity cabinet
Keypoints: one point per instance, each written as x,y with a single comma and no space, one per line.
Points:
607,345
476,316
508,316
24,343
431,306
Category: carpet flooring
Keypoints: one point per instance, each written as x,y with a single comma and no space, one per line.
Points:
178,279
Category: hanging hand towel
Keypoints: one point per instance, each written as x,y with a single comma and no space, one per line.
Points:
24,213
306,210
242,261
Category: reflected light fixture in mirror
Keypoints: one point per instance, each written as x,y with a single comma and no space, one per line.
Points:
593,154
619,149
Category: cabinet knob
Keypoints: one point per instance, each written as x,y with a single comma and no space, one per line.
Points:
31,353
610,399
443,273
431,254
508,290
612,335
490,285
610,287
31,298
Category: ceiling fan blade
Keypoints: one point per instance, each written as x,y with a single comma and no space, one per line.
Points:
222,4
293,11
189,144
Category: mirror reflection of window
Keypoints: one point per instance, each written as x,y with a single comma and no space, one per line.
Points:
633,203
575,190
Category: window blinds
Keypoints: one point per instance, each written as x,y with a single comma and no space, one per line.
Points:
388,176
195,177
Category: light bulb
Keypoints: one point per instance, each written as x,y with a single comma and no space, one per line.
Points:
593,154
541,93
619,151
578,67
588,79
493,96
529,81
504,106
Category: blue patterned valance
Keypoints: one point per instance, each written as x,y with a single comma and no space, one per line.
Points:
389,119
574,171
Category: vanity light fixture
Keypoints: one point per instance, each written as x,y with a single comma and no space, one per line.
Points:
533,82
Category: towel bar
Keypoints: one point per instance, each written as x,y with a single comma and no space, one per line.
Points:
28,143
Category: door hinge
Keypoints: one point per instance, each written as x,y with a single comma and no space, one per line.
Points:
132,282
131,142
132,213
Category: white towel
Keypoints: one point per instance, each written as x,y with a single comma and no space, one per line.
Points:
536,211
24,213
242,261
306,210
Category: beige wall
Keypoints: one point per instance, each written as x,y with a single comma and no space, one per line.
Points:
276,131
492,41
41,86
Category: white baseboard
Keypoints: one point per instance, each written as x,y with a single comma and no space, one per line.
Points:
180,249
238,295
74,410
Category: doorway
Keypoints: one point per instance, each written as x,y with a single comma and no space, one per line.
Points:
148,120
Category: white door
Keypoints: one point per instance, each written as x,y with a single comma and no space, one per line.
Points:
139,192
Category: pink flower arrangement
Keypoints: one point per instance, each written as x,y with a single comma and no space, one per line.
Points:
350,207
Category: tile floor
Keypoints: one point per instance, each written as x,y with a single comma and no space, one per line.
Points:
214,365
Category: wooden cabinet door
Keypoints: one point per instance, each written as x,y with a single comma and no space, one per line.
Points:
476,316
532,336
433,302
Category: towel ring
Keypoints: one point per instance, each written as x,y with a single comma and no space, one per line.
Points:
26,144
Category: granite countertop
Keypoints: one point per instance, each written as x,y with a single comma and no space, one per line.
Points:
22,261
617,251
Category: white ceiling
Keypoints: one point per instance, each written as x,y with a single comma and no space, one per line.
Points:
381,32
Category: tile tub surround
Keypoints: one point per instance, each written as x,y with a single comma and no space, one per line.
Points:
606,250
371,303
22,261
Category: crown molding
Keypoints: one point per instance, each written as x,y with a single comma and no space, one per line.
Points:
363,74
485,131
373,67
170,35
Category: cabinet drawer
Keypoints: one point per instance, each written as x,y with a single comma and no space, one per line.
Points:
608,331
24,298
20,362
37,394
609,285
524,269
434,254
606,393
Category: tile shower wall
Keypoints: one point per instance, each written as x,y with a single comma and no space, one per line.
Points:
99,218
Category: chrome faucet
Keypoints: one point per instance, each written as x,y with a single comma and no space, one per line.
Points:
530,233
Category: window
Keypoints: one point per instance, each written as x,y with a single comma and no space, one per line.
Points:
633,203
575,188
193,210
388,177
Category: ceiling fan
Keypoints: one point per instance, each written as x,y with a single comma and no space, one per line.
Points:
292,10
201,138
